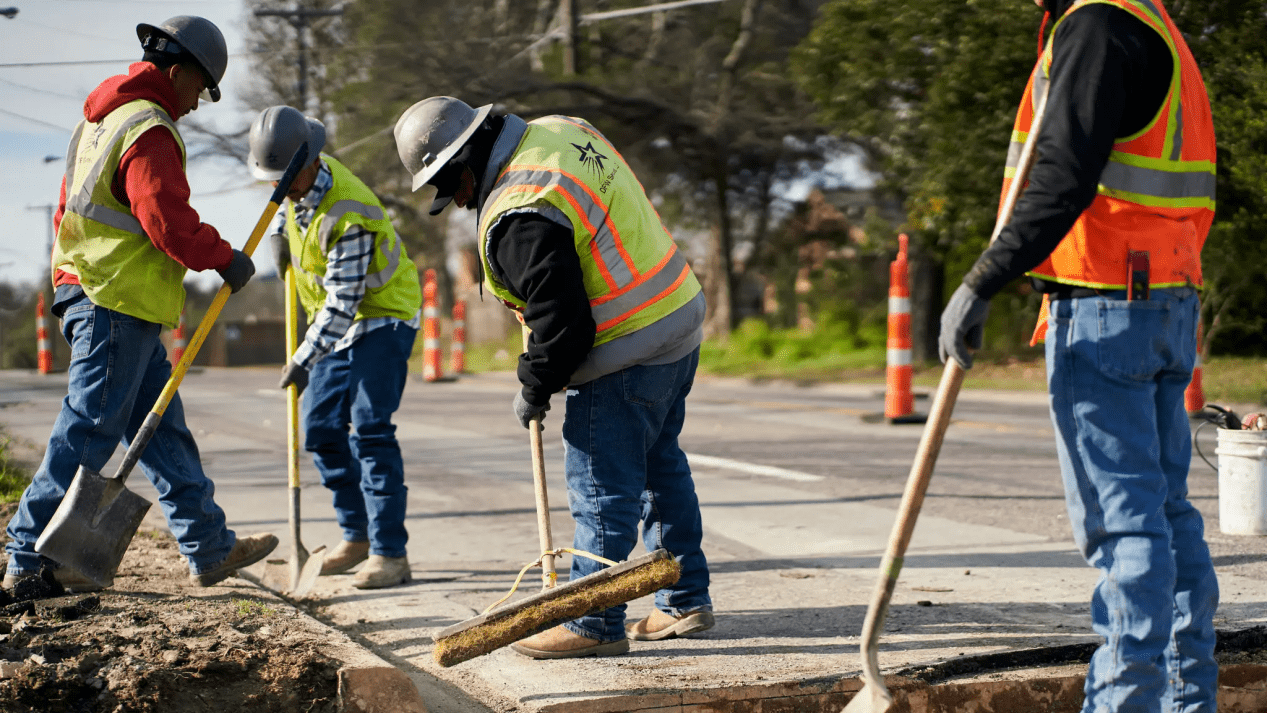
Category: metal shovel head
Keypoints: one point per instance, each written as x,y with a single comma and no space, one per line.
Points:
308,573
93,526
871,699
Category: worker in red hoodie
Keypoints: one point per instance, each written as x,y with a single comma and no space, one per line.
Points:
126,235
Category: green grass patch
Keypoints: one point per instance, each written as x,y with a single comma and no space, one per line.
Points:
831,353
13,478
1235,380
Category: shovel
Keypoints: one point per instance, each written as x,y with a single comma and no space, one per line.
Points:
874,697
304,568
98,516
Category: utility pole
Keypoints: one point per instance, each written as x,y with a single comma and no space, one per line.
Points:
298,18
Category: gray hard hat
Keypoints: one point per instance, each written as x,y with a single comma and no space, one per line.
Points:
430,132
276,134
195,35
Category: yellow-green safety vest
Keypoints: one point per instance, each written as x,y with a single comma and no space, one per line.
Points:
634,273
99,240
391,284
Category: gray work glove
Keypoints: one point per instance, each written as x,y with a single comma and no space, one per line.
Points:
961,326
295,374
281,252
238,271
524,411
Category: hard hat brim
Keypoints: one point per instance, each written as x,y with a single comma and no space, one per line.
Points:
426,174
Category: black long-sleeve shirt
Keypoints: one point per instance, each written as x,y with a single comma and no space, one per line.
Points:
536,259
1109,77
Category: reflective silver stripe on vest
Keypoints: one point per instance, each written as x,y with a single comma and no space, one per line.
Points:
1177,144
72,154
375,280
81,203
336,213
633,300
594,214
1157,183
1014,153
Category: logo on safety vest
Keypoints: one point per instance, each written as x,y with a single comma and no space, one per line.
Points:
590,157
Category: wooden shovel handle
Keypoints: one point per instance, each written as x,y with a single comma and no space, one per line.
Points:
548,574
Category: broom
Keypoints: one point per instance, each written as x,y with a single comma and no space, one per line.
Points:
617,584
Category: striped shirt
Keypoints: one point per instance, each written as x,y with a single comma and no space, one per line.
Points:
335,327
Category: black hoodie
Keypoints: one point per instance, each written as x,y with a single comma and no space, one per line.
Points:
1109,76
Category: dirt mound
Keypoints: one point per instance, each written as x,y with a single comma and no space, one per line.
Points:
155,643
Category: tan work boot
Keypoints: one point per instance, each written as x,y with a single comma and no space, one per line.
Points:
666,626
560,643
71,580
381,572
246,551
344,556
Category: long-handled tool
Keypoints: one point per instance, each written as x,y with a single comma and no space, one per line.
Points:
553,605
304,567
874,696
97,518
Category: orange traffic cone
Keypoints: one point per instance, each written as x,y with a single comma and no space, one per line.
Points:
431,369
899,401
44,357
178,339
457,349
1194,396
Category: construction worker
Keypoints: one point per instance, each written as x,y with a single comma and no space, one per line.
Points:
1110,228
568,238
126,234
364,305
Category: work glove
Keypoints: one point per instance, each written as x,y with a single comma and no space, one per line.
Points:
524,411
281,252
295,374
961,326
238,271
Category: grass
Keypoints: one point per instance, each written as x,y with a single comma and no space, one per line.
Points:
251,608
13,478
845,354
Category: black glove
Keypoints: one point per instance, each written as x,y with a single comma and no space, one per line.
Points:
238,272
524,411
281,252
295,374
961,326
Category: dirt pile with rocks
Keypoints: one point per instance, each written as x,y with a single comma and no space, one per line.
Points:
155,643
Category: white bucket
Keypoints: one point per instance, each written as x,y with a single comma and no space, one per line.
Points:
1242,482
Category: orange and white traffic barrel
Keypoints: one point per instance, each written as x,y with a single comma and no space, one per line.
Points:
899,401
457,347
45,354
431,370
178,339
1194,395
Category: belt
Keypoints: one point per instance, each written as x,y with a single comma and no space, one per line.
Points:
1070,292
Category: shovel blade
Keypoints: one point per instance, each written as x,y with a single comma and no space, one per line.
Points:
309,573
93,526
873,698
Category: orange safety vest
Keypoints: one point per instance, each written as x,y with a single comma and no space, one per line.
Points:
1156,192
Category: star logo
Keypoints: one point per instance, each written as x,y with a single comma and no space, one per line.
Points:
96,136
590,156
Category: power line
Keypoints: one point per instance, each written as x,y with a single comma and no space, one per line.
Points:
32,119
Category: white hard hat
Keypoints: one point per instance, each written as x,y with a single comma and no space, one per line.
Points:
276,134
430,132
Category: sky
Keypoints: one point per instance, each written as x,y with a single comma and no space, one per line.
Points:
52,54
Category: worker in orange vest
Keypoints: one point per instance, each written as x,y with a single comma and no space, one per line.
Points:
1110,228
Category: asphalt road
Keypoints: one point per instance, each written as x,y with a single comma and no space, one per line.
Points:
798,485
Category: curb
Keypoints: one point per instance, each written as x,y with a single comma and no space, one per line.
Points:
367,683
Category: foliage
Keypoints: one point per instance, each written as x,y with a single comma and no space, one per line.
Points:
13,478
756,350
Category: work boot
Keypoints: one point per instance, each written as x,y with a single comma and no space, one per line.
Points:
666,626
382,572
247,551
344,556
561,643
71,580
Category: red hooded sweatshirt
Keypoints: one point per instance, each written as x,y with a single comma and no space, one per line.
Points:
151,178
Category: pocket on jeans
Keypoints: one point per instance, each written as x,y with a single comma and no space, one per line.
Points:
77,324
1131,342
648,385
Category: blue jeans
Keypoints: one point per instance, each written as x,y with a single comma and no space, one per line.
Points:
623,464
1117,372
118,368
347,420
